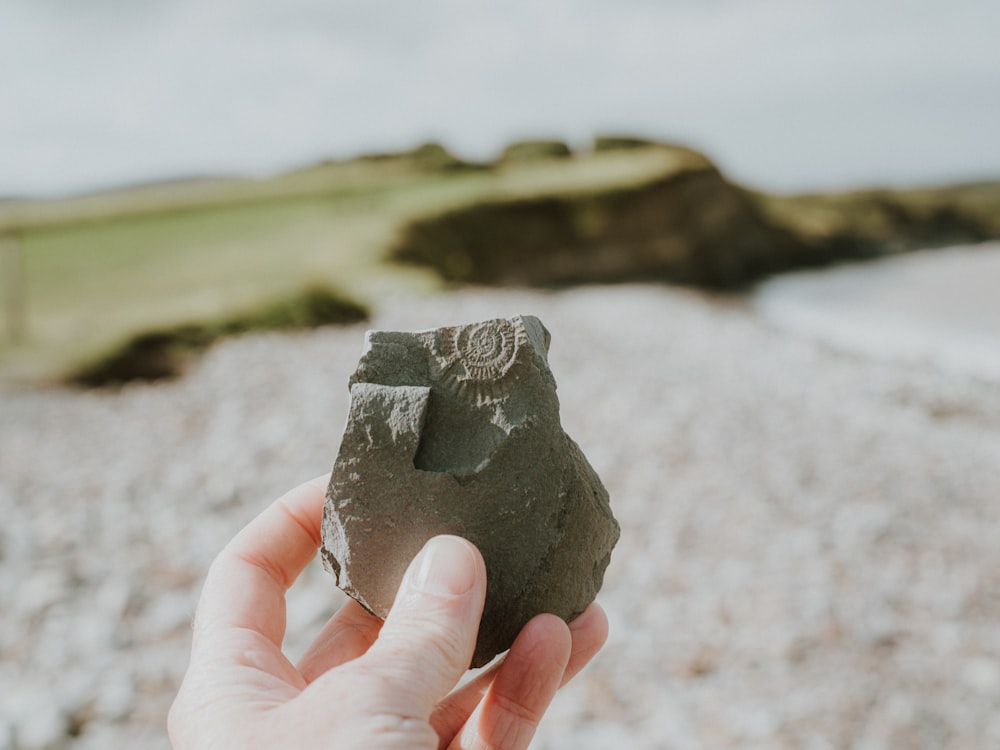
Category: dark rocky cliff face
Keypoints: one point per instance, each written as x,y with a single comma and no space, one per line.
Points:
691,226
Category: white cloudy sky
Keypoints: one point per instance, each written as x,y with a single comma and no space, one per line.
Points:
785,94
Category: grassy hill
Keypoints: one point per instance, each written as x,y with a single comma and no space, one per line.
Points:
99,269
103,271
689,226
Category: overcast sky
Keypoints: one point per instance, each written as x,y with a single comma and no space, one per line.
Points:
785,94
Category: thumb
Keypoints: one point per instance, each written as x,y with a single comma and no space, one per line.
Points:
427,641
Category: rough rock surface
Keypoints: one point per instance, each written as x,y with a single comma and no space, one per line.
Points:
456,430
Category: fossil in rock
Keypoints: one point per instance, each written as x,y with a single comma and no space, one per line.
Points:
456,430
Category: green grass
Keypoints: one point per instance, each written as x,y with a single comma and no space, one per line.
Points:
91,286
165,353
887,215
101,269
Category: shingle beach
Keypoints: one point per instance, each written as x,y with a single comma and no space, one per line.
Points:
810,550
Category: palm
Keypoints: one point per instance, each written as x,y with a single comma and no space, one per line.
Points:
241,690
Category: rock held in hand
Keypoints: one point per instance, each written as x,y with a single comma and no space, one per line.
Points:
457,431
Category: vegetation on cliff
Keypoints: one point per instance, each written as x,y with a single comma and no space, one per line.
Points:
166,352
689,226
135,265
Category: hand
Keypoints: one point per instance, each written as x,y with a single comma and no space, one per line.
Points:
362,683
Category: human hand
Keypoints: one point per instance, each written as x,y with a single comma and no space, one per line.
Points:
362,683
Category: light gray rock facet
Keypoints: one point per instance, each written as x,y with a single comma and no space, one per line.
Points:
457,431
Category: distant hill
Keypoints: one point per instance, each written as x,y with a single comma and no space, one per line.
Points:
105,274
691,226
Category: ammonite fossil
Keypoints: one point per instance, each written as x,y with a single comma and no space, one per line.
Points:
475,361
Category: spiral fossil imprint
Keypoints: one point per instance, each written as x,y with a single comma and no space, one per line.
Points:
475,360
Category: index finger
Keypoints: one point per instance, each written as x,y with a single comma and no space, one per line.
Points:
246,584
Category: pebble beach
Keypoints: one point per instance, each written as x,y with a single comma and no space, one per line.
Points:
810,549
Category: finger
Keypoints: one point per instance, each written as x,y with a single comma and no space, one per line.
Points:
246,584
588,633
346,636
524,686
427,640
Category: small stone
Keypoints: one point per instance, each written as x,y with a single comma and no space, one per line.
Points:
457,431
982,675
116,699
42,726
6,735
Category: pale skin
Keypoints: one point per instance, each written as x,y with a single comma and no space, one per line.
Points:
362,683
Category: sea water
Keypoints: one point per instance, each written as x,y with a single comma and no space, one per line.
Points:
939,307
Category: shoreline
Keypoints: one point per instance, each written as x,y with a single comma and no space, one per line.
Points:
932,307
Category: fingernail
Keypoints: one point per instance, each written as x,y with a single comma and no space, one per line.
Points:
446,566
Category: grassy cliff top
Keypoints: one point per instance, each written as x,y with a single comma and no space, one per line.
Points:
100,269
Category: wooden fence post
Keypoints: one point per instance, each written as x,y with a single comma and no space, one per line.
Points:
12,278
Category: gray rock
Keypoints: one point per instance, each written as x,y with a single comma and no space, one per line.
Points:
457,431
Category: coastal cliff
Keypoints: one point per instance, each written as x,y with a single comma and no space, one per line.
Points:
210,258
690,225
